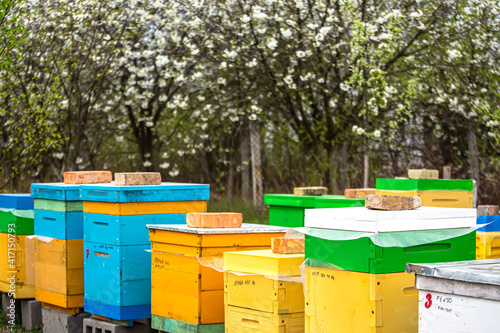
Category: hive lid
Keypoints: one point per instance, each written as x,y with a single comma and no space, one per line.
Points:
367,220
476,271
16,201
424,184
246,228
55,191
145,193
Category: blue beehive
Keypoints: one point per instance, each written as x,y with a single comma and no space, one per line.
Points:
16,201
58,224
493,220
117,258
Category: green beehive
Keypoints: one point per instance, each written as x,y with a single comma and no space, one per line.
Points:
17,221
424,184
288,210
362,255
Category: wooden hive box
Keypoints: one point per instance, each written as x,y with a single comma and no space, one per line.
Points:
185,288
262,290
16,266
346,301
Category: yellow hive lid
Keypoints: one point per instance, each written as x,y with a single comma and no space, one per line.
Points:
263,262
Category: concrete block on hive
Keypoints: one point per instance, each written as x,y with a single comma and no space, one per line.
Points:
87,177
288,245
487,210
387,202
61,322
315,190
137,178
358,193
214,220
423,174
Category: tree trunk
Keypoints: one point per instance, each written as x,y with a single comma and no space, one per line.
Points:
230,182
245,166
258,196
344,155
366,166
473,152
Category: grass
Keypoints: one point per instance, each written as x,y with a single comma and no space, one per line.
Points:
239,205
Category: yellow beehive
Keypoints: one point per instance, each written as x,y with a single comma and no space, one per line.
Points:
264,281
451,199
59,272
346,301
184,286
16,266
143,208
240,320
488,245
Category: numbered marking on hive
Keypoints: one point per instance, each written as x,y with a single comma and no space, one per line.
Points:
214,220
423,174
317,190
358,193
288,245
87,177
387,202
487,210
137,178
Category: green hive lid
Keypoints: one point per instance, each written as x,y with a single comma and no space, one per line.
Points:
424,184
338,201
290,200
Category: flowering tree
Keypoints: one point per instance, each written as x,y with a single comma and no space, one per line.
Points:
341,90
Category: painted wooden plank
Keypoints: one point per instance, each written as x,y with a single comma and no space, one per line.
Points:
363,219
60,225
60,206
60,300
144,208
147,193
118,312
446,313
16,201
177,326
56,191
87,177
289,200
137,178
214,220
124,230
117,275
263,262
424,184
